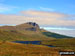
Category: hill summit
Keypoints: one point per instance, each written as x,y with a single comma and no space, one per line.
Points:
31,26
27,31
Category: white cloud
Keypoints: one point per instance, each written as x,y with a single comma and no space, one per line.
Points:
64,32
5,8
50,18
40,17
46,9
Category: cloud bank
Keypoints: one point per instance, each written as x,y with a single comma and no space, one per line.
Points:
40,17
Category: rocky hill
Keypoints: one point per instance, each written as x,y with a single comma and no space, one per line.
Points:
26,31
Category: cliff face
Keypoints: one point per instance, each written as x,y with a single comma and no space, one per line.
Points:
35,27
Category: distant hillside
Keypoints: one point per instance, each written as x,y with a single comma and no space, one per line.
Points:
27,31
54,35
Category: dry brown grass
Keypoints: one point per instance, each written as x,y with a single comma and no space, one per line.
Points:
15,49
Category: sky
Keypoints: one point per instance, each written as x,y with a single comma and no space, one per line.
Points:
53,15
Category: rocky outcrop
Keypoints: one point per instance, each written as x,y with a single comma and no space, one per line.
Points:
35,26
29,26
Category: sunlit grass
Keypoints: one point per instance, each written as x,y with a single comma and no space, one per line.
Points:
62,43
16,49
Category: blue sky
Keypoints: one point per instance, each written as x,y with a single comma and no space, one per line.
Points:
64,6
53,15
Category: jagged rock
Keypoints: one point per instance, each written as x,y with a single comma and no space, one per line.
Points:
33,24
34,28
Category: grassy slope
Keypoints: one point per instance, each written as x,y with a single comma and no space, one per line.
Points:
62,43
19,32
16,35
15,49
13,34
8,35
55,35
